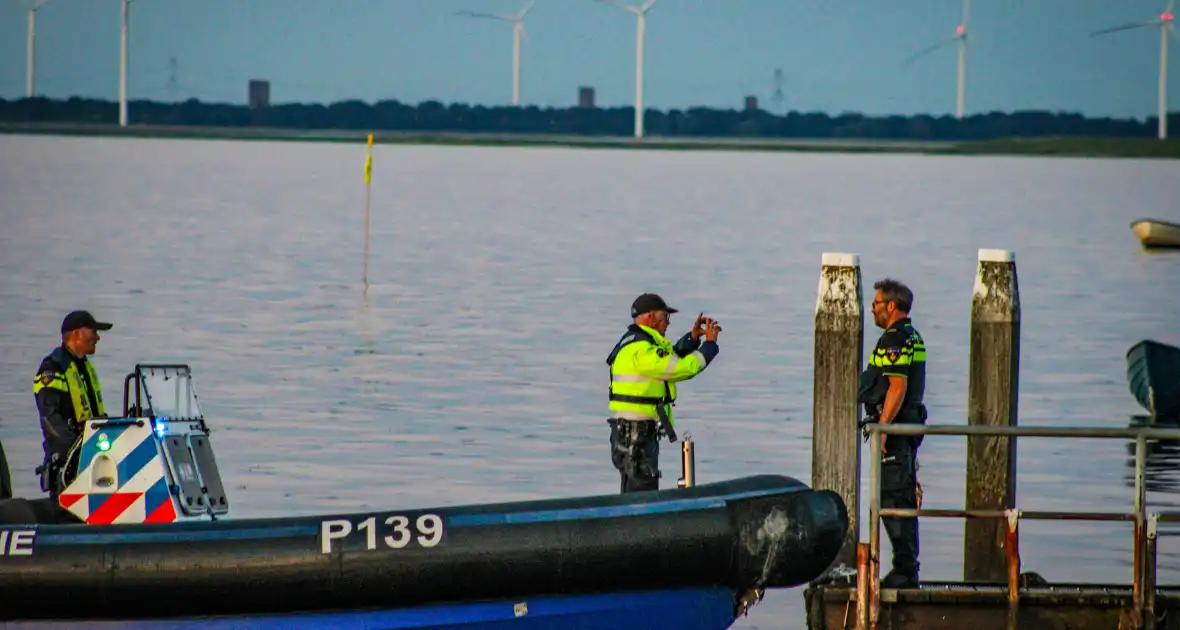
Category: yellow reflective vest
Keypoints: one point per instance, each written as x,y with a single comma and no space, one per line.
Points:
71,383
644,370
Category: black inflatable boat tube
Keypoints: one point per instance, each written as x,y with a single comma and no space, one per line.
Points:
767,531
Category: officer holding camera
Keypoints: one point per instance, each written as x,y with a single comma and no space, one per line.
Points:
644,369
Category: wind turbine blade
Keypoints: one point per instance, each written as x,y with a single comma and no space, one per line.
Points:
929,49
647,5
1171,5
520,16
625,7
1172,32
524,34
966,10
483,15
1124,27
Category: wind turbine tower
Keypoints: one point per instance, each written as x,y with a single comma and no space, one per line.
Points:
960,37
31,49
640,34
517,34
778,96
123,64
1164,22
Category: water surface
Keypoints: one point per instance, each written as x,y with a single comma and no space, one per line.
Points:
472,368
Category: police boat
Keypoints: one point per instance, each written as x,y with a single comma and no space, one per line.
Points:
149,543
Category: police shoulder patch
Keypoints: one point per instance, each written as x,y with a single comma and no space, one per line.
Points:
660,352
893,354
45,377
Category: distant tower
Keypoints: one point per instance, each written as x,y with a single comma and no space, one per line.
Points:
778,98
259,93
586,97
173,83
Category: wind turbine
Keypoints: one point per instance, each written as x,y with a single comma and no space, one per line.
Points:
961,37
123,64
640,34
1164,21
31,50
517,34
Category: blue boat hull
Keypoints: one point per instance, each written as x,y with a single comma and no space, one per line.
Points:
677,609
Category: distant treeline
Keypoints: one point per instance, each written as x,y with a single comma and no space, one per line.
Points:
391,115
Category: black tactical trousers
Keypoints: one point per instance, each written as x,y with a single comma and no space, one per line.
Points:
635,452
899,487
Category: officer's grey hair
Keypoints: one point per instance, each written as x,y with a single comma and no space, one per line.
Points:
896,292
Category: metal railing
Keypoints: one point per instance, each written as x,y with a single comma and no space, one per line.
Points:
1144,571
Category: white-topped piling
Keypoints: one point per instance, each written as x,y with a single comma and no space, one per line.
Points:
993,388
839,350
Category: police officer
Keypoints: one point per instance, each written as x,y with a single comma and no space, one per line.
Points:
891,389
644,367
68,393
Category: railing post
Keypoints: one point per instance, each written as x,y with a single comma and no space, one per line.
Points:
991,400
1012,547
874,528
839,341
1149,564
1139,545
862,586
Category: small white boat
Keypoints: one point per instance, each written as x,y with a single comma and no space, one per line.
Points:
1156,233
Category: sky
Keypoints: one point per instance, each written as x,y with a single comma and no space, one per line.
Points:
835,55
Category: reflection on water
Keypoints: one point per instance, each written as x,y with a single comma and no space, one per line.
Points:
1162,464
1161,473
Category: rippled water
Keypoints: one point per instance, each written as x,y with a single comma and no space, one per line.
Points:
471,369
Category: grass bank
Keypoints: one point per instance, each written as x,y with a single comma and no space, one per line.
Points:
1072,146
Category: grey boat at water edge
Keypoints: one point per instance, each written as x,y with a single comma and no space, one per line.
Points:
1153,375
142,539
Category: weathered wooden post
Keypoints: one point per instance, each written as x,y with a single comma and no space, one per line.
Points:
839,349
992,392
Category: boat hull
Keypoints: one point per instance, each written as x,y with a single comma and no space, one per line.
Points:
682,609
1153,376
1157,234
763,531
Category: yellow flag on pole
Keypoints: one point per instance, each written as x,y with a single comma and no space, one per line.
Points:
369,162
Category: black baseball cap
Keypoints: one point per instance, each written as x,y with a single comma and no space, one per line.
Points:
82,319
649,302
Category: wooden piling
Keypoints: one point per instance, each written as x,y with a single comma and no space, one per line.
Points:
839,350
991,400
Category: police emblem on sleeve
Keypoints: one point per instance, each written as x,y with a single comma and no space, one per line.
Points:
660,352
893,354
46,378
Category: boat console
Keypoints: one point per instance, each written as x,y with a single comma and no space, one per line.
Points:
154,464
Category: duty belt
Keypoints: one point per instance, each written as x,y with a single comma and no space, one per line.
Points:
659,402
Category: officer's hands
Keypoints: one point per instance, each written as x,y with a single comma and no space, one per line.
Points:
698,327
712,329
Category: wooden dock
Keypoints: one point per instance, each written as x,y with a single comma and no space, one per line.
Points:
995,592
946,606
1021,600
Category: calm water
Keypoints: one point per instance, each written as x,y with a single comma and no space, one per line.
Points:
472,368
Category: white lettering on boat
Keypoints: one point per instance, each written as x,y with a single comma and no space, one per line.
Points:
17,543
396,532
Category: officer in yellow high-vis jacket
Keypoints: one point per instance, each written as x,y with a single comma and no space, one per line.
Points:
68,393
644,368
